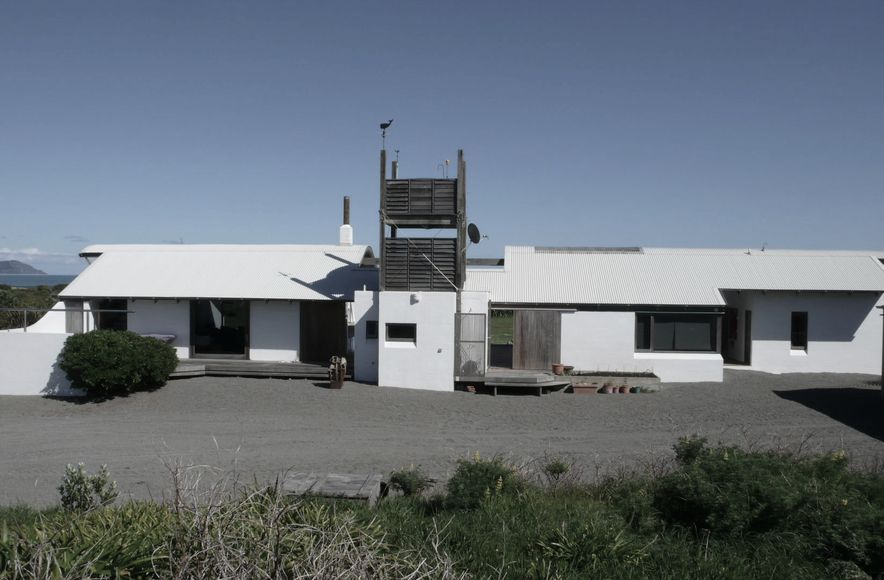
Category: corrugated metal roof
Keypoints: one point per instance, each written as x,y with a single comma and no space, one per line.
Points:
668,277
259,272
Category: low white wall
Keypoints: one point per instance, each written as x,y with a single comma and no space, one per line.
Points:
365,350
162,317
428,363
29,365
844,333
683,367
274,331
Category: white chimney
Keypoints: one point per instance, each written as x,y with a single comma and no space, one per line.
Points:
345,236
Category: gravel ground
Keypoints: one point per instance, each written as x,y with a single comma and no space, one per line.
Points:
265,426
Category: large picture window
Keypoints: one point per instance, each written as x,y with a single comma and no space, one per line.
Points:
676,332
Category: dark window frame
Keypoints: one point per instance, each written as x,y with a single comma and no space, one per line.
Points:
371,329
401,338
798,337
646,342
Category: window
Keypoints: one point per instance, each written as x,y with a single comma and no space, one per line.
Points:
111,314
371,329
799,331
402,332
682,332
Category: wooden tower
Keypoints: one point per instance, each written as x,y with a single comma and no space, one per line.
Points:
437,263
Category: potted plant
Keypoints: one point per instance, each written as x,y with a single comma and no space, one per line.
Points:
607,388
558,369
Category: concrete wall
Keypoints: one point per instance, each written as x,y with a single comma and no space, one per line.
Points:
844,333
163,317
365,350
429,362
274,331
29,365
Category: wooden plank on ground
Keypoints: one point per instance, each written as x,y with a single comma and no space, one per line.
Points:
365,487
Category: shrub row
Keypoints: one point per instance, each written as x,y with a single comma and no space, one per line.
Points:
720,512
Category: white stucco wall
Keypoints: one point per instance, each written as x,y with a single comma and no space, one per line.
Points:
600,341
428,363
162,317
29,365
274,331
844,333
605,342
365,350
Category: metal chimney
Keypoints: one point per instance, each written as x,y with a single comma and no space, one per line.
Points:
345,236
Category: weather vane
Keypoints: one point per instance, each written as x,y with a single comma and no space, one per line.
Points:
384,127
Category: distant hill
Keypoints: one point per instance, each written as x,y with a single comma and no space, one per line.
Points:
16,267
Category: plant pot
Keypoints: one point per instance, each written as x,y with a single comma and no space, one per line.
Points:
558,369
635,390
624,389
607,389
584,389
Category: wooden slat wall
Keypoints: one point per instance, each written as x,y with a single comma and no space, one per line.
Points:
537,339
405,197
407,267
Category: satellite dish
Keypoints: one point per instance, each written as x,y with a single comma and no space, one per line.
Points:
473,233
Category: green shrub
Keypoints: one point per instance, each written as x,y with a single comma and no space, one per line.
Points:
410,481
83,491
479,479
112,362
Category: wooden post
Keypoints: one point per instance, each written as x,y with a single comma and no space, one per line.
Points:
382,217
461,219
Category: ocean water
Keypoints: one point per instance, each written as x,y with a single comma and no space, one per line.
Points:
31,280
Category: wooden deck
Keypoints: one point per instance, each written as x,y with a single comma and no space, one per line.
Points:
248,368
520,380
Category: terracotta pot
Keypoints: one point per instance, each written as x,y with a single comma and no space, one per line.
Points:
558,369
584,389
624,389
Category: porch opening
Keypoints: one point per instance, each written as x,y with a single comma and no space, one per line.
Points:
219,328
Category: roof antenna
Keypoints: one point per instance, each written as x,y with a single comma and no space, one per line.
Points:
384,127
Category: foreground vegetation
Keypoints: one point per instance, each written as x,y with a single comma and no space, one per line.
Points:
37,297
718,512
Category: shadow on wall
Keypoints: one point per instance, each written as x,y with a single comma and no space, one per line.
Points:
859,409
341,282
58,385
837,322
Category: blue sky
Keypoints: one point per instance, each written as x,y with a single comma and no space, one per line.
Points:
708,123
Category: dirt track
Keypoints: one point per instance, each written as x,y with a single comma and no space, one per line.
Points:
280,424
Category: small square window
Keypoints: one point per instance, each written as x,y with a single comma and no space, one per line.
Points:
371,329
402,332
799,331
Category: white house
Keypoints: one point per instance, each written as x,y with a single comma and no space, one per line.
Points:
283,303
685,313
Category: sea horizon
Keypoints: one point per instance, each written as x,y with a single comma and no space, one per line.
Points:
34,280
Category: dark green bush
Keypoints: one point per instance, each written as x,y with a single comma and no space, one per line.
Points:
728,491
410,481
478,479
113,362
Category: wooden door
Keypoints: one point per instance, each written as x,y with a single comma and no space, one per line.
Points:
537,339
323,331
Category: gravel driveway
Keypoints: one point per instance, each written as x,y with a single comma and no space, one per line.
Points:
269,425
